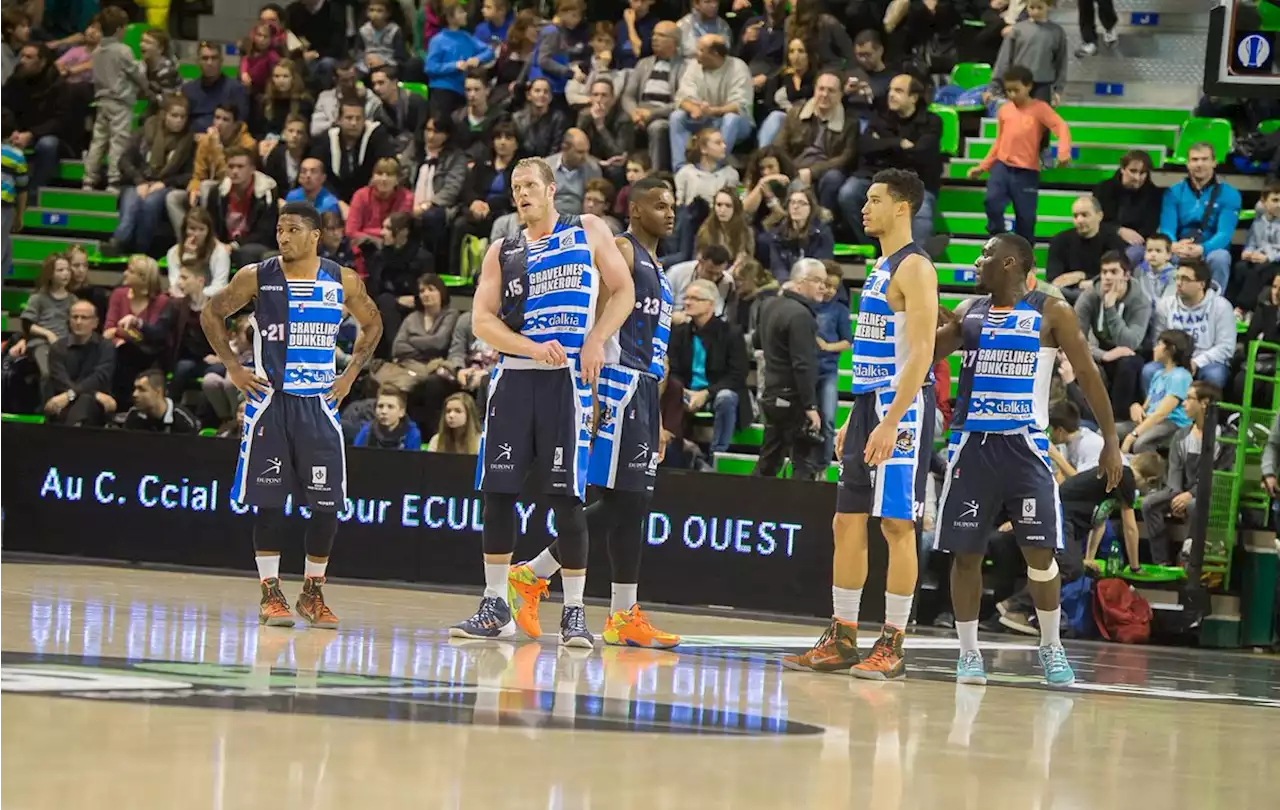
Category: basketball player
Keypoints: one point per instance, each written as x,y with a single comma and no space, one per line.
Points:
998,465
884,446
627,447
536,304
292,441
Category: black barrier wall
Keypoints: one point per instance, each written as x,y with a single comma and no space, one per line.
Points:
746,543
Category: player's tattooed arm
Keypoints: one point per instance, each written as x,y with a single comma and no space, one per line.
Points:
232,298
950,335
357,301
1066,333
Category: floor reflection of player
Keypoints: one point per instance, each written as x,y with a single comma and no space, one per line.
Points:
998,466
292,443
628,445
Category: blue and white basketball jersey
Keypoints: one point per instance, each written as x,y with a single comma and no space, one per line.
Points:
880,349
1005,372
550,285
296,328
641,343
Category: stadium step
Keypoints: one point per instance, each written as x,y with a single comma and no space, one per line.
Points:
47,219
967,224
969,199
967,251
1073,175
1122,114
1124,135
1086,153
68,199
35,248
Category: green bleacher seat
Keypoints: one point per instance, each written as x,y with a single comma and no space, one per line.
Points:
417,88
843,251
950,128
1269,126
1123,114
13,300
35,248
132,37
25,418
1126,135
209,433
971,74
966,252
25,271
1215,131
71,170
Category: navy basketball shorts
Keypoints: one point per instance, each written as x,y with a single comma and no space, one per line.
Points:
993,478
537,418
624,454
291,445
894,488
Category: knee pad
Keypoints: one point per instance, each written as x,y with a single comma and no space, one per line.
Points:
268,530
499,535
1045,574
322,527
571,530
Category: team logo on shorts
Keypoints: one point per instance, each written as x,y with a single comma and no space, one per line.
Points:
970,510
319,475
1028,508
504,452
608,413
906,441
273,467
557,460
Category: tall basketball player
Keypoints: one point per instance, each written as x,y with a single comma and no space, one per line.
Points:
292,441
536,305
998,464
884,446
627,447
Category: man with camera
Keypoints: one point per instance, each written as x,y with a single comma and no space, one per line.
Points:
788,334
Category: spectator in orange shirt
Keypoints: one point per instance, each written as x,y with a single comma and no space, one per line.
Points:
1014,159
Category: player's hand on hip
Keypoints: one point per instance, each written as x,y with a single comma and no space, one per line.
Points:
550,353
250,384
339,390
880,444
592,360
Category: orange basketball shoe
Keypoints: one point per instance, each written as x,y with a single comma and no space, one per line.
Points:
632,628
524,592
885,662
273,610
836,650
311,605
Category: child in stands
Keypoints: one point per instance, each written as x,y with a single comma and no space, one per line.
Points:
118,81
1260,259
390,428
1014,159
1038,45
1157,269
381,42
13,189
76,64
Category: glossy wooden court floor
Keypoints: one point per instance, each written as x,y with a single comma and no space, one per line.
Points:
132,689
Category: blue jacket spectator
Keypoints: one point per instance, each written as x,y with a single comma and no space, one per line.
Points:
324,199
1201,213
449,47
390,429
558,47
498,17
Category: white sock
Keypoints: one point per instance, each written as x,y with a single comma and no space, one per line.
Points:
544,565
623,596
968,634
573,588
845,603
495,580
268,567
1050,621
897,610
314,569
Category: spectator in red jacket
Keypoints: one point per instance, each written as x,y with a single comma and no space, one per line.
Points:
372,204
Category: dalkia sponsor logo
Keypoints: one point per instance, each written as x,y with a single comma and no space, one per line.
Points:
336,694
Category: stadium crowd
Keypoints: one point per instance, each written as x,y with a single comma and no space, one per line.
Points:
767,118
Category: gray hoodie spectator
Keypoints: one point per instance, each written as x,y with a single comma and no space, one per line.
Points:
1211,322
693,26
1264,236
1124,324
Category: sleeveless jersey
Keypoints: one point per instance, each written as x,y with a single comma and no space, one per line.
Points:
550,285
296,327
641,343
880,347
1005,372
